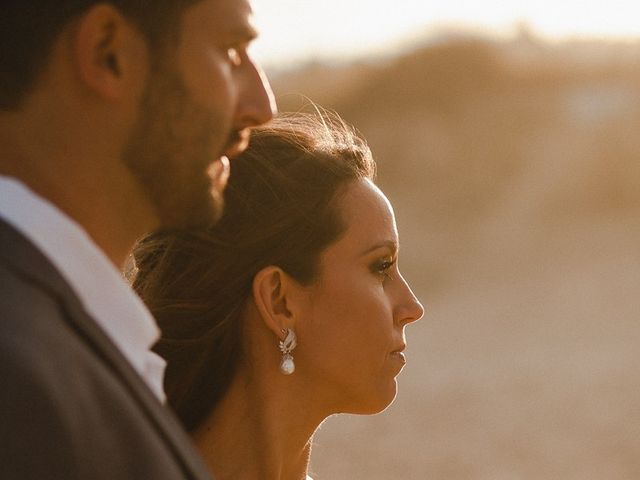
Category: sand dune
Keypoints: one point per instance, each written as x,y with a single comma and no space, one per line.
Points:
515,171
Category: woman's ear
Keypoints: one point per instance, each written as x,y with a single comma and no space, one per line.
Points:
273,296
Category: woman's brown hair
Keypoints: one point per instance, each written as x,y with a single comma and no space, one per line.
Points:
280,209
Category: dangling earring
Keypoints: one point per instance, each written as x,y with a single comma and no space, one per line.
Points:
287,345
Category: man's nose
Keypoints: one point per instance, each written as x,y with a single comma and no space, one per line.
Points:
257,104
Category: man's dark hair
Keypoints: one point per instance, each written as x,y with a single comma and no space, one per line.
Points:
29,28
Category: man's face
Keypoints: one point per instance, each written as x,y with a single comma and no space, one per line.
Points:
196,112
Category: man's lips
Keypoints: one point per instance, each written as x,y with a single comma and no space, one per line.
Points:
219,172
238,142
220,169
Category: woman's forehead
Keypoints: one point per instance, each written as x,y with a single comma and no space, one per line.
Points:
368,217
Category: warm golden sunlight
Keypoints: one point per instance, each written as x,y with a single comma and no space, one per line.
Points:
295,30
507,136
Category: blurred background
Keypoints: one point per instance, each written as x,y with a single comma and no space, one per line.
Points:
508,139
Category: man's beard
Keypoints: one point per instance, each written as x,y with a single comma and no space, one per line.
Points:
170,149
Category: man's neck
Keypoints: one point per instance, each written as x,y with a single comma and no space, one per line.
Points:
106,202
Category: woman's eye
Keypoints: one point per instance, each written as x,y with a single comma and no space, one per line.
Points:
383,267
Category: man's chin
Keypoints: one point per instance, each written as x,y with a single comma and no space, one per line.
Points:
198,216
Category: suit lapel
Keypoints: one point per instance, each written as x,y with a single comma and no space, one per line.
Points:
28,262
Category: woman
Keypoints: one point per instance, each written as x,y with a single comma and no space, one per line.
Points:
291,309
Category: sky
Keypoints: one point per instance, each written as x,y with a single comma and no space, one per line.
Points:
299,30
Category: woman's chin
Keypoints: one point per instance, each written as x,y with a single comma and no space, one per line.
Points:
377,401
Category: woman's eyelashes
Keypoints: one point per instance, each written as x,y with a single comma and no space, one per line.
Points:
383,266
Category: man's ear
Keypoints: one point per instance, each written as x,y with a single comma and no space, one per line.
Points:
110,53
274,298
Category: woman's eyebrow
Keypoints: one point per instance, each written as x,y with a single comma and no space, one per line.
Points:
390,244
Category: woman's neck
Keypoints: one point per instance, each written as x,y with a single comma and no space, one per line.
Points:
261,429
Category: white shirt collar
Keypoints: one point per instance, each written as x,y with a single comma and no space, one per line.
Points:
99,285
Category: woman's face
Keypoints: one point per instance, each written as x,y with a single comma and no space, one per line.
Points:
351,334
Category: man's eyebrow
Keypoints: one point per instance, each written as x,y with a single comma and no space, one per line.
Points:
243,33
390,244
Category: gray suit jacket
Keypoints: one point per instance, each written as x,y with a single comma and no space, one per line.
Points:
71,406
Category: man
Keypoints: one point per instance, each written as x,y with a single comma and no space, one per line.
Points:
116,118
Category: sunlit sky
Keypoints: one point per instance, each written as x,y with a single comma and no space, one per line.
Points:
295,30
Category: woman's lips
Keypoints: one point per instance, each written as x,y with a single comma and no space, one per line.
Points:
399,356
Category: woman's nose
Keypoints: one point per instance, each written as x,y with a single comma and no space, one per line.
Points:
410,309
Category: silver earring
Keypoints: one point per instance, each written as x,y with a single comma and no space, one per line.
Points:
287,345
